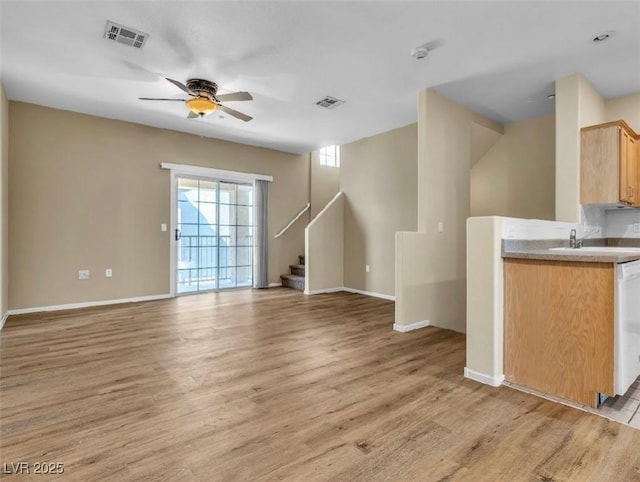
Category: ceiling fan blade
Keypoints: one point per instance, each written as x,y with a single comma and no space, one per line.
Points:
192,115
157,98
235,113
180,85
234,96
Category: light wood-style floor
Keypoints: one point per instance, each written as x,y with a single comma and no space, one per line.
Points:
275,385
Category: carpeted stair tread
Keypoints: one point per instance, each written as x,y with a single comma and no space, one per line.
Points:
297,269
292,281
292,277
295,280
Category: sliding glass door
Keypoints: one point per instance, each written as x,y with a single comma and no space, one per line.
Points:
214,235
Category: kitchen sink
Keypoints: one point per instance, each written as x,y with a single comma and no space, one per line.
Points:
599,249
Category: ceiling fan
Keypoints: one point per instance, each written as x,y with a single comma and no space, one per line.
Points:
204,100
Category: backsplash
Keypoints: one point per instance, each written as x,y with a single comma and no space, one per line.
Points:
532,229
593,221
608,222
597,222
619,223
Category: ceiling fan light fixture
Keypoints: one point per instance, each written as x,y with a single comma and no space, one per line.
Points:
201,105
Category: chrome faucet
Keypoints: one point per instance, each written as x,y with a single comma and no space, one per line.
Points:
574,242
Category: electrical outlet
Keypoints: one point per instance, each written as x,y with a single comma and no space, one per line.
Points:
163,227
108,273
441,227
636,227
84,274
367,268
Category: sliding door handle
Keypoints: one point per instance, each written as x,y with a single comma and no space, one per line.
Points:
178,234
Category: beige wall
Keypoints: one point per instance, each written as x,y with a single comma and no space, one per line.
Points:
592,105
88,193
378,177
325,184
414,279
567,149
484,324
516,177
482,139
578,105
626,108
444,163
4,203
324,248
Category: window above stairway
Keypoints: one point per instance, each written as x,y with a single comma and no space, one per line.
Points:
330,156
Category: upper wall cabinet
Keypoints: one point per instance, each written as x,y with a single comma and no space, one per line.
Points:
609,172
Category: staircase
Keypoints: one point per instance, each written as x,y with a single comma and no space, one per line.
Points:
294,280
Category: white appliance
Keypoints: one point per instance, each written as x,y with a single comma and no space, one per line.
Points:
627,332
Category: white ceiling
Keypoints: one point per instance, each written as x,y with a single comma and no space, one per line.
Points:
499,58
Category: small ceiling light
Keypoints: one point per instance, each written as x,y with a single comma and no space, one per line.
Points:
551,96
604,36
420,53
201,105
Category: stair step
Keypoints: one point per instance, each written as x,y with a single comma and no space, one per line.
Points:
297,269
301,259
292,281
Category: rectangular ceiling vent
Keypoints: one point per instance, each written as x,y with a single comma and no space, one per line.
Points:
125,35
330,102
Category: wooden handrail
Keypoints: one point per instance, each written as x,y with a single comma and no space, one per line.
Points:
283,230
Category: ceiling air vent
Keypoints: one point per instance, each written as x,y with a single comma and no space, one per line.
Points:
125,35
330,102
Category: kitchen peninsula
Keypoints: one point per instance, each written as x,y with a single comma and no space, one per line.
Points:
564,333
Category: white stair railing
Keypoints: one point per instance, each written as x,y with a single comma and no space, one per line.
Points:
283,230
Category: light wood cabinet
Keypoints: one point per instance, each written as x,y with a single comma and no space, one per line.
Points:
631,170
559,327
609,171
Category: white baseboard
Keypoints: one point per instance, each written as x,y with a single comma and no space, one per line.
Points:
350,290
274,285
369,293
494,381
326,290
413,326
4,319
87,304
